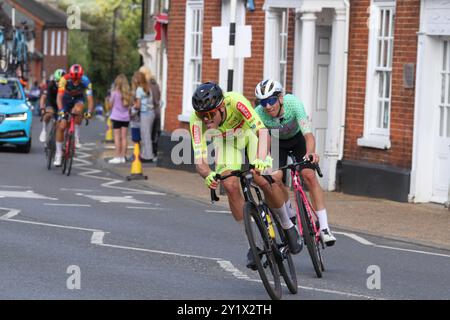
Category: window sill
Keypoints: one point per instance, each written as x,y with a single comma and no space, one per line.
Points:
378,143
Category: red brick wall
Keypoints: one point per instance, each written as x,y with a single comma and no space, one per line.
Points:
253,66
212,17
402,105
51,63
175,57
290,52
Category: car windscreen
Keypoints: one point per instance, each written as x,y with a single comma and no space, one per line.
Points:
10,90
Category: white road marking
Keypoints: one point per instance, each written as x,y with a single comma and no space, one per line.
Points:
67,205
111,199
76,190
10,214
355,237
414,251
218,211
229,267
15,187
21,194
147,208
368,243
51,225
97,237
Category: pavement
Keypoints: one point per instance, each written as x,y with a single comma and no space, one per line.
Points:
426,224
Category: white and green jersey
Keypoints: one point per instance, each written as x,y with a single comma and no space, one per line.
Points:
293,120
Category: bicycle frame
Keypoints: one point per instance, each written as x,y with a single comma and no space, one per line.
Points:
246,185
309,209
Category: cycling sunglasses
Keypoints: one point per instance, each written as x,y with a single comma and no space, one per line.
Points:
269,101
206,114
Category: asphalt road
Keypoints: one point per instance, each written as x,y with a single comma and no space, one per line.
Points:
94,236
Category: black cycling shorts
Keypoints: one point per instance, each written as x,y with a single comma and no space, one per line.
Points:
119,124
296,144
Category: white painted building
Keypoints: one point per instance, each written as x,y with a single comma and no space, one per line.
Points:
320,63
430,175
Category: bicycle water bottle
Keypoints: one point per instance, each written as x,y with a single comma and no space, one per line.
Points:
268,222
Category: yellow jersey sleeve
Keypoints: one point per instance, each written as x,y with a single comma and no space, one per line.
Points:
198,138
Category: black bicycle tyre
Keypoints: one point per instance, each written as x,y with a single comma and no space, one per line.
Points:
290,279
309,238
71,153
274,290
65,155
50,148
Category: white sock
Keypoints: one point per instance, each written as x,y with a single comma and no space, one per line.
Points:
44,127
286,223
77,131
323,219
289,209
59,147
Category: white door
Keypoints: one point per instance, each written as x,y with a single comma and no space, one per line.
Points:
319,111
441,167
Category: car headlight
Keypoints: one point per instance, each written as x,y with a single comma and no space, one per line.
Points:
17,116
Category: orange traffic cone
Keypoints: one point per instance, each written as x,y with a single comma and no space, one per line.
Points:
109,132
136,165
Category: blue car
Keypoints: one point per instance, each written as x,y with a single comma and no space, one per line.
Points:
15,115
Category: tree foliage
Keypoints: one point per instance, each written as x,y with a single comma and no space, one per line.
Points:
93,49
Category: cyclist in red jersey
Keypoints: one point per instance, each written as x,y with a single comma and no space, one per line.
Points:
71,90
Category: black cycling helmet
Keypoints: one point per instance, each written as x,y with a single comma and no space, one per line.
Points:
207,97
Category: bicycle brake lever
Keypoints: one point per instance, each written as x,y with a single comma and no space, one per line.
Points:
319,172
214,196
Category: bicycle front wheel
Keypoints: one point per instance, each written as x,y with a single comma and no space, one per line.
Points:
285,262
50,148
70,153
261,247
309,237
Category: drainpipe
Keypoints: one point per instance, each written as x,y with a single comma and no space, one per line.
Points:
344,96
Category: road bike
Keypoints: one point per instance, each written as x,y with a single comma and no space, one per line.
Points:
18,56
267,239
50,141
69,142
4,51
308,222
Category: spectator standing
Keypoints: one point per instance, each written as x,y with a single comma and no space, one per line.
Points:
156,97
120,100
143,102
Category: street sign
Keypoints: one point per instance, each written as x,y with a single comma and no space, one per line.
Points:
220,43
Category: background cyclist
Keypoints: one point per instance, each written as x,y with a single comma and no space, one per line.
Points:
286,114
48,104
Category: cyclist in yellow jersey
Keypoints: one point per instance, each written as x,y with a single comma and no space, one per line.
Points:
229,121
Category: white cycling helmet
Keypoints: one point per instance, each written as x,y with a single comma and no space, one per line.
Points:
268,88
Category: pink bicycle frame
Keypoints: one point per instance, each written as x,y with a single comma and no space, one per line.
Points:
312,216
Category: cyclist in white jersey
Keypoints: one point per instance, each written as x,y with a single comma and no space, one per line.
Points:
286,114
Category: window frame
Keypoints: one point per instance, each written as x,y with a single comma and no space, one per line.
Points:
192,59
276,32
376,126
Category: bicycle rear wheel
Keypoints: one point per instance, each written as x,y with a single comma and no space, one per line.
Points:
261,247
50,147
309,237
284,259
70,153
